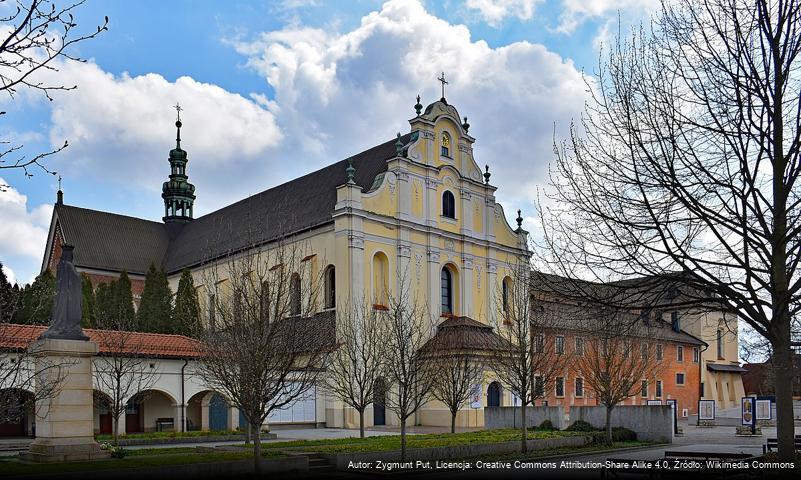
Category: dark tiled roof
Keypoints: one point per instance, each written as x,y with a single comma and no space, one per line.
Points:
117,242
717,367
112,242
463,334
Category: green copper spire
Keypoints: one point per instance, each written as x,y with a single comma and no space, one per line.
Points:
177,192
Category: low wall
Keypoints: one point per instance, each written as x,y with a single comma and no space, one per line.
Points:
509,417
651,422
342,460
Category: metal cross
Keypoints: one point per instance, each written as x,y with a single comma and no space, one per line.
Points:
443,81
59,182
178,109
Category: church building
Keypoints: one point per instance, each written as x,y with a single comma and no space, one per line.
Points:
416,209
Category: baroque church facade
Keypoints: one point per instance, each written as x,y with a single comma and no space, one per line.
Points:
415,214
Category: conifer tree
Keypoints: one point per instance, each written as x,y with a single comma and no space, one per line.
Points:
7,297
88,302
186,315
103,303
36,300
123,316
155,308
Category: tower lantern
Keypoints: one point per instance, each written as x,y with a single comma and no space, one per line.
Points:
177,192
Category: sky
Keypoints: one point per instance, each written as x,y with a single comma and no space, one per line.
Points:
271,90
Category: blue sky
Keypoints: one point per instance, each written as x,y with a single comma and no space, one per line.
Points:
272,90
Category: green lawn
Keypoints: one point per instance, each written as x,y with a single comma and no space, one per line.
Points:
392,442
149,435
149,457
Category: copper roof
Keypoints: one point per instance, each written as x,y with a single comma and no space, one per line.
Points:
464,334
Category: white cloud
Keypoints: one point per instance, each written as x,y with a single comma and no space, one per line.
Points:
337,93
576,12
495,11
10,276
121,128
24,232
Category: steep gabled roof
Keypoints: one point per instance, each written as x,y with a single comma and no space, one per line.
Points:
109,241
114,242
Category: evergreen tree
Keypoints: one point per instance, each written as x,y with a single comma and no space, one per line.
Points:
7,297
88,302
186,315
155,308
36,302
104,298
122,315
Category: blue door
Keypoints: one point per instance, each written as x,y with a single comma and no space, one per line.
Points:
218,413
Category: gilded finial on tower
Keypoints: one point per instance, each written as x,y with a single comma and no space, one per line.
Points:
178,124
350,172
418,107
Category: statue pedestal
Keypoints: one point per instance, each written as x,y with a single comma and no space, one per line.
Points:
65,421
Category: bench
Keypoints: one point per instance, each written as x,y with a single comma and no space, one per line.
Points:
773,444
163,424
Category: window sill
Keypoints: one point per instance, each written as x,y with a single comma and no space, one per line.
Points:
451,220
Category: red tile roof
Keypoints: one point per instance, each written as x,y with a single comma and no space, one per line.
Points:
14,336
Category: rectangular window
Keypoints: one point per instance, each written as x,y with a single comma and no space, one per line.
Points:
702,389
679,379
579,346
659,353
444,151
539,343
696,355
579,387
560,386
626,347
644,389
539,387
659,389
560,345
679,353
644,351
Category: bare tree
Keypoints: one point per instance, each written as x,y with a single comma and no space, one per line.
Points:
122,370
39,34
265,346
532,356
616,358
360,359
454,375
687,162
408,374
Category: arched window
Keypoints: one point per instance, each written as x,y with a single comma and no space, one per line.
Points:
448,205
720,343
380,279
506,287
446,284
294,294
445,148
330,287
494,395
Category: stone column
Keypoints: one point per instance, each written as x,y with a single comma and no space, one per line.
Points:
65,420
233,418
179,423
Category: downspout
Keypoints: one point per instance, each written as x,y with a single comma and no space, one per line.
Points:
183,402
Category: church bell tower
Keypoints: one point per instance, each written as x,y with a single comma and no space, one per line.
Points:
177,192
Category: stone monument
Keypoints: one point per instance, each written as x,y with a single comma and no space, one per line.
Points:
65,419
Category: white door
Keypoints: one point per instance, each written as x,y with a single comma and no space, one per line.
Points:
299,411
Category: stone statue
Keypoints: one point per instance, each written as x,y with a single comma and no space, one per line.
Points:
65,321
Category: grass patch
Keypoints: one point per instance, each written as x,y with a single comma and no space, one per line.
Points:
140,458
393,442
152,435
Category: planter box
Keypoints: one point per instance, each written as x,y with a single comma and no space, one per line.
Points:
341,460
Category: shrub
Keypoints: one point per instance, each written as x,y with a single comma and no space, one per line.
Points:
546,425
621,434
581,426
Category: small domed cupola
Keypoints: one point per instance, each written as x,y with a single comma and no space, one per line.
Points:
177,192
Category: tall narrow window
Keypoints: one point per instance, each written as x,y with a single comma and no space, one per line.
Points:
448,205
330,287
539,386
679,353
294,294
212,312
445,148
579,346
560,345
659,389
446,290
720,343
659,354
696,355
505,292
644,388
579,387
560,386
539,343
